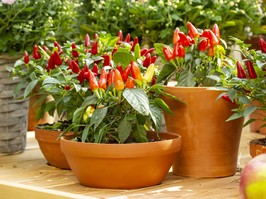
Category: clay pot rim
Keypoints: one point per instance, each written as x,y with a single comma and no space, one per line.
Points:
171,143
211,88
257,141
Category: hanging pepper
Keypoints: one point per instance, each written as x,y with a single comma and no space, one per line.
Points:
149,73
26,57
95,69
94,48
119,83
127,39
60,51
135,42
240,70
147,61
126,73
226,97
135,70
176,36
203,45
57,59
262,45
168,53
87,40
93,82
192,31
251,71
120,37
74,52
107,60
36,54
103,79
216,31
130,83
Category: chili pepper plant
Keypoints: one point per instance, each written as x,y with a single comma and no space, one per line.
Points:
246,82
104,87
193,59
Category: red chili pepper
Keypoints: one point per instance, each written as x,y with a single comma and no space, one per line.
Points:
94,48
111,78
153,59
130,83
192,31
135,42
95,69
214,40
87,40
57,59
203,45
74,52
176,36
183,40
127,39
51,64
120,37
114,50
179,51
75,66
147,60
135,71
216,30
119,67
175,51
226,97
168,53
150,50
60,51
103,79
262,45
67,87
153,81
93,82
26,57
251,71
143,51
81,76
240,70
211,51
36,54
46,49
107,60
119,83
126,73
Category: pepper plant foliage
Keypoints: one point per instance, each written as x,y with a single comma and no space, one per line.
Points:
104,88
245,83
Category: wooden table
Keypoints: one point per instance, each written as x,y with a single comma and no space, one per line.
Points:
27,175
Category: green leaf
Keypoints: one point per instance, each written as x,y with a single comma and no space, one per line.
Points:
50,80
98,116
123,58
186,78
124,129
138,99
156,116
30,87
159,102
140,134
235,116
85,133
78,115
249,110
166,72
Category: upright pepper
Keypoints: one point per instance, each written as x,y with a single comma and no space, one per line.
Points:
26,57
51,64
262,45
149,73
74,52
107,60
93,82
135,42
36,54
127,39
120,37
119,83
95,69
176,36
143,51
60,51
130,83
87,40
126,73
153,59
183,40
94,48
168,53
147,60
203,45
103,79
216,30
111,78
57,59
192,31
240,70
213,39
135,71
46,49
75,66
251,71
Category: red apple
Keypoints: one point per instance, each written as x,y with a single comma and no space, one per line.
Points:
253,179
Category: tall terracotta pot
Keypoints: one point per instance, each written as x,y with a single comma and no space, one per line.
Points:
50,147
209,143
123,166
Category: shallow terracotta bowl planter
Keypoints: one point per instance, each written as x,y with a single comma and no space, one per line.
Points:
123,166
257,146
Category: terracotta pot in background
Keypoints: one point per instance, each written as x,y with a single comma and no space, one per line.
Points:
259,115
123,166
257,146
209,143
50,147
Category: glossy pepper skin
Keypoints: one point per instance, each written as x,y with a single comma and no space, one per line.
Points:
149,73
168,53
36,54
192,31
176,36
130,83
93,82
103,79
240,70
87,40
51,64
251,71
262,45
203,45
226,97
216,30
119,83
26,57
147,60
74,52
135,71
60,51
95,69
57,59
94,48
126,73
135,42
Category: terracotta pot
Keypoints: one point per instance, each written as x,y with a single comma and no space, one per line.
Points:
257,146
209,143
259,115
123,166
50,147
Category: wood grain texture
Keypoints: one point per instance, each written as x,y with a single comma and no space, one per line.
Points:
27,175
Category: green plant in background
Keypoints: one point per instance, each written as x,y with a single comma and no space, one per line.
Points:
27,22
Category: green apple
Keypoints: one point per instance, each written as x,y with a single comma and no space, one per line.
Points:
253,179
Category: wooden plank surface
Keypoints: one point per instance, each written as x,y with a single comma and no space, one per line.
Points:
27,175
